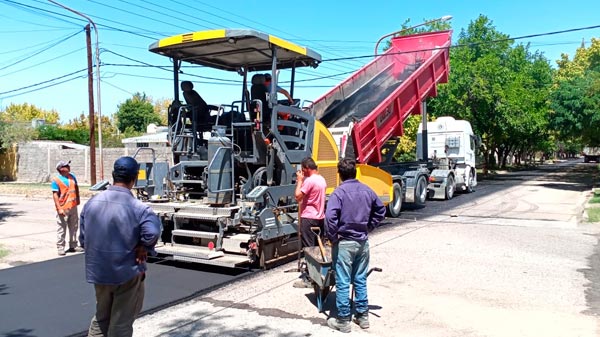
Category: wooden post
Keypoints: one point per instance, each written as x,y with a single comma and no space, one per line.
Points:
92,118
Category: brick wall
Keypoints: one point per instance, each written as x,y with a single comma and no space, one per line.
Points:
36,161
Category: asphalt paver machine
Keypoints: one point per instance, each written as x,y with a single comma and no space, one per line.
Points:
229,193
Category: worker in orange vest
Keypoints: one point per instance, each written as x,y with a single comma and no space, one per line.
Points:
65,193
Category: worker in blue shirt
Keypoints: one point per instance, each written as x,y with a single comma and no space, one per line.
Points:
352,210
117,231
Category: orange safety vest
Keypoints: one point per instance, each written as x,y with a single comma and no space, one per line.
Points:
67,195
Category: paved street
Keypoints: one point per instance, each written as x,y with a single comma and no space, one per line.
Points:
511,259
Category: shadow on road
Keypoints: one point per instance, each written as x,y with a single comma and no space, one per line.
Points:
7,212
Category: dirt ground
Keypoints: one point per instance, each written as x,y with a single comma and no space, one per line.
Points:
28,223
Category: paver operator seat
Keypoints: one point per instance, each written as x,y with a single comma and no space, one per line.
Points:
258,91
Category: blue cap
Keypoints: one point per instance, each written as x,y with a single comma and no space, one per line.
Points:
126,167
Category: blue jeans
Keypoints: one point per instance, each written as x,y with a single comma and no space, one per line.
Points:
351,263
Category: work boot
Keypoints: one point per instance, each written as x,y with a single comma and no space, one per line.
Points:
362,319
75,250
303,282
341,324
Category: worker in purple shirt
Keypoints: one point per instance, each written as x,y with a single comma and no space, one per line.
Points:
352,210
117,231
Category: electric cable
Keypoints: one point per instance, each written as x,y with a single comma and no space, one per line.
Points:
43,62
25,58
472,44
43,82
44,87
138,14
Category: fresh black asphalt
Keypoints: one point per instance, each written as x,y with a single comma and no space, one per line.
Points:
52,298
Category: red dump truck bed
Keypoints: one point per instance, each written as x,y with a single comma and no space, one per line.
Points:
380,96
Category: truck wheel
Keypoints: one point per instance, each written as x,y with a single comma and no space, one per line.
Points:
421,191
450,185
395,206
470,184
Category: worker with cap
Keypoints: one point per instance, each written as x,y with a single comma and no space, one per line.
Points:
117,231
65,193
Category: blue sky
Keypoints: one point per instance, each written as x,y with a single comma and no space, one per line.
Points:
44,44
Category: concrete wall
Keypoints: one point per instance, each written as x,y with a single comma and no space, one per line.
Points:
37,161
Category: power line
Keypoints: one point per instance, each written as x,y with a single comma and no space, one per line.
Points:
43,82
136,14
116,87
473,44
37,24
43,62
40,51
167,68
187,5
24,48
30,9
171,10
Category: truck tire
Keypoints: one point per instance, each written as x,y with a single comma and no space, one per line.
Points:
395,206
421,191
470,184
450,187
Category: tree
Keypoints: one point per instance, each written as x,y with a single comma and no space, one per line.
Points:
161,108
136,113
15,123
576,100
28,112
53,132
502,90
11,133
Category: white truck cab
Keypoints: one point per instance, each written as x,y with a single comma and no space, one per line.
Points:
452,148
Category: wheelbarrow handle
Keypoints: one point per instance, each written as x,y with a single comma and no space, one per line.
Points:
322,249
377,269
317,231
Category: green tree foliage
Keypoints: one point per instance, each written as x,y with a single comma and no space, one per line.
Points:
576,100
15,123
28,112
11,133
53,132
161,108
136,113
407,147
501,89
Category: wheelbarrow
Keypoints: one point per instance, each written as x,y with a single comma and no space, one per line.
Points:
321,272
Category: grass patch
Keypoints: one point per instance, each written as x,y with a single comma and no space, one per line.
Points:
596,198
3,252
594,214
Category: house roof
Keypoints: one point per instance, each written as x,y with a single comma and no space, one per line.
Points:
61,144
160,137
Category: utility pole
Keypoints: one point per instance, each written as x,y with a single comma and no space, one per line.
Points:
92,119
97,82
